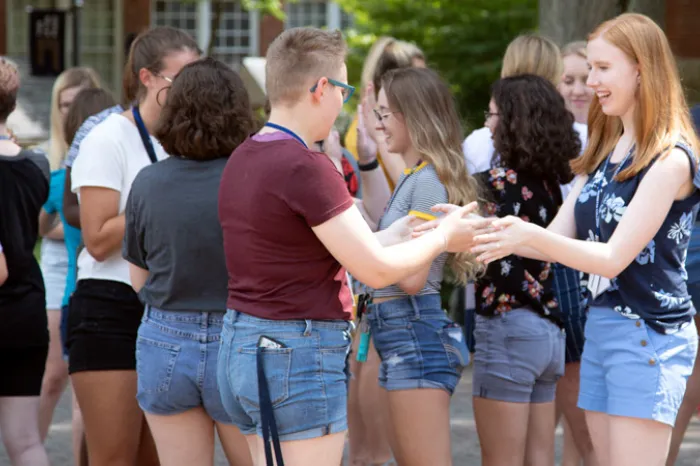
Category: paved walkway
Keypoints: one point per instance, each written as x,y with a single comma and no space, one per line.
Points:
465,444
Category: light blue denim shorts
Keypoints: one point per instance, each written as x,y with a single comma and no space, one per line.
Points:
419,345
176,355
629,369
308,377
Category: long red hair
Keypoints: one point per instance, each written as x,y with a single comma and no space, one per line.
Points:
661,116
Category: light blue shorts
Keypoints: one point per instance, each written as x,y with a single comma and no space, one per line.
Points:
629,369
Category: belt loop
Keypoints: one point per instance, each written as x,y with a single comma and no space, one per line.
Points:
205,320
234,316
147,312
309,327
415,306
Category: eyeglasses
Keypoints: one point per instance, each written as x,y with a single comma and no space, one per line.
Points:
158,75
346,89
381,116
488,114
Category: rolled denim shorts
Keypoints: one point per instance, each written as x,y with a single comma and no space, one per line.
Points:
629,369
519,357
308,377
176,356
420,347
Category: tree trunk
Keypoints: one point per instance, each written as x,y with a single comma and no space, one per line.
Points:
568,20
217,7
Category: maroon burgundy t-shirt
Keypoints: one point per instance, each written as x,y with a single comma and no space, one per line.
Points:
272,192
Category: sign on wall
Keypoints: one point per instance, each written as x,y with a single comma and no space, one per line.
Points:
47,42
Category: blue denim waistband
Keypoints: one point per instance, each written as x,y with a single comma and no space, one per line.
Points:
410,303
233,316
189,317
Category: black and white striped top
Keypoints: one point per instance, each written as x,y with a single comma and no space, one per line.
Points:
417,190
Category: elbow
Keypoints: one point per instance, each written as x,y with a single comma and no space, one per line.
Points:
410,288
98,251
377,279
3,276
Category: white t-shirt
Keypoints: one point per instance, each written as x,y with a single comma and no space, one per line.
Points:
110,156
478,150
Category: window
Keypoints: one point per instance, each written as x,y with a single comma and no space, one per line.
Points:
176,14
237,36
316,13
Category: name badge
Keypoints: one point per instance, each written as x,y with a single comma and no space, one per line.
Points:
598,285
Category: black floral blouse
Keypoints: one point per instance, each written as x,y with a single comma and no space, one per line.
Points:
514,281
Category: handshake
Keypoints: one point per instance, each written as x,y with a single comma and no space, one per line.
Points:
466,231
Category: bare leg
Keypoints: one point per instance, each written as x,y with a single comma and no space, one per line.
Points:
77,430
55,375
112,418
502,429
567,397
599,429
183,439
367,413
321,451
420,425
540,435
147,454
19,425
638,442
690,404
570,455
234,444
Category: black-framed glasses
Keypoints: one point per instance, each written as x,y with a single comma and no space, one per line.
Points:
346,89
488,114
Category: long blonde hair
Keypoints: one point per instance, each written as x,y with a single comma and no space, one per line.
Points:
533,54
370,64
428,108
661,115
70,78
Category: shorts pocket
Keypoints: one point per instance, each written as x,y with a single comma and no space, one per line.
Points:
277,363
527,357
155,364
455,345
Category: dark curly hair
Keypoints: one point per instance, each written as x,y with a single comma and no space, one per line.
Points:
207,112
535,133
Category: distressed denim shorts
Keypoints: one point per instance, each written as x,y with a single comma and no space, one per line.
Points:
176,354
308,377
519,357
420,347
629,369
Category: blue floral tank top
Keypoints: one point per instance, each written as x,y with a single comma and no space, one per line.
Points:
653,287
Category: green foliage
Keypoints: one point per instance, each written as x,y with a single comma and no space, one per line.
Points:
463,40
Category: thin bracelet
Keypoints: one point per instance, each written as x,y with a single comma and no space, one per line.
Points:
367,167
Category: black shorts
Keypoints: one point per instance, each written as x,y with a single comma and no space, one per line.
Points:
103,322
22,370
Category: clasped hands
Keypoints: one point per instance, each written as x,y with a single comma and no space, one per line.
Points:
491,238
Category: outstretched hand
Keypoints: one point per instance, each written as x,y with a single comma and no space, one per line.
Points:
507,235
460,225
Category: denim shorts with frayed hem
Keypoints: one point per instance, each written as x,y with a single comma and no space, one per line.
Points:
176,355
629,369
307,377
419,345
519,357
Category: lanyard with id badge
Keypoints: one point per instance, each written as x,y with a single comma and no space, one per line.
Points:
597,284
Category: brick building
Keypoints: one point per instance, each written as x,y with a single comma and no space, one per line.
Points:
105,24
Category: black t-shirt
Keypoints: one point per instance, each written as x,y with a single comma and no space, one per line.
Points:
24,188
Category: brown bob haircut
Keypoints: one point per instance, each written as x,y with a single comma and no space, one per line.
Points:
87,103
207,113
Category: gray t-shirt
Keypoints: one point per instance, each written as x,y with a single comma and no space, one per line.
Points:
417,190
173,231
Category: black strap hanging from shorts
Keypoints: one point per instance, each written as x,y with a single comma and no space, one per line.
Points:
143,132
267,414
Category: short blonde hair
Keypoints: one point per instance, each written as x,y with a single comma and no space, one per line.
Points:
9,87
297,58
396,54
575,48
533,54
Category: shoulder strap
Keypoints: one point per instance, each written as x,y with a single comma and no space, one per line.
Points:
145,137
